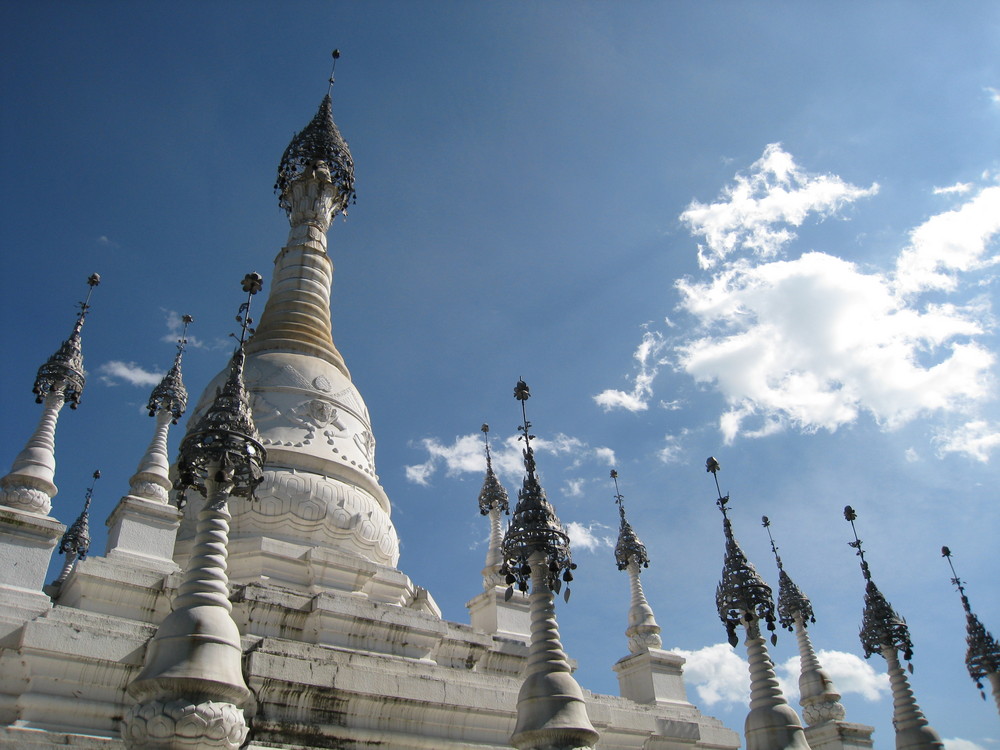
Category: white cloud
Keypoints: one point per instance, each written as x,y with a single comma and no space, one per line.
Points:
671,452
130,372
948,243
956,743
107,242
175,327
958,187
994,94
590,537
574,488
756,212
466,455
977,439
911,455
638,399
849,672
815,341
718,674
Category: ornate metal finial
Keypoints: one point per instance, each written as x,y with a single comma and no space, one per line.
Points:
226,434
64,369
629,547
534,526
492,495
881,625
171,395
741,597
333,69
792,602
76,540
320,141
983,655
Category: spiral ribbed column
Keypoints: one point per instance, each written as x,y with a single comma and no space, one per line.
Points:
913,732
643,631
151,479
771,723
819,699
194,662
30,484
491,572
551,712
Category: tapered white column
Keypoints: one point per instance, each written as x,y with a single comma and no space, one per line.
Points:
913,731
30,484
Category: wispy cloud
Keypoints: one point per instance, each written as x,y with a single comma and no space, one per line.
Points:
465,455
956,743
590,537
958,187
757,212
175,327
105,241
114,372
993,93
976,439
637,399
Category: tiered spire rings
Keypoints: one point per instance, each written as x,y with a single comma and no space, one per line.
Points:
191,691
30,484
983,656
744,599
551,713
630,555
818,697
883,631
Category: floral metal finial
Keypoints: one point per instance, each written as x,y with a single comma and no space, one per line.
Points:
792,602
76,540
333,69
534,527
492,495
741,597
63,371
319,141
983,655
226,434
881,626
170,394
629,547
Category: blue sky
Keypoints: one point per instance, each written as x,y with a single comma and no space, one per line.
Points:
763,232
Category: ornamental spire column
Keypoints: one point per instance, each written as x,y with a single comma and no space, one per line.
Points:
315,183
884,631
142,528
492,502
551,712
191,692
630,554
30,484
983,656
75,543
821,707
744,599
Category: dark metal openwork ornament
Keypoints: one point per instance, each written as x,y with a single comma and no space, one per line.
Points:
226,435
741,597
792,603
629,547
534,526
983,655
492,495
76,540
881,626
171,395
64,369
319,141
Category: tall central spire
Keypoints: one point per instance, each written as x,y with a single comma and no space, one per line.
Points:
315,182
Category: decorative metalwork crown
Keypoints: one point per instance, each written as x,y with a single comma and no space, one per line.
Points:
76,540
792,602
64,369
319,141
171,395
983,655
881,626
534,526
226,435
629,547
492,496
741,597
